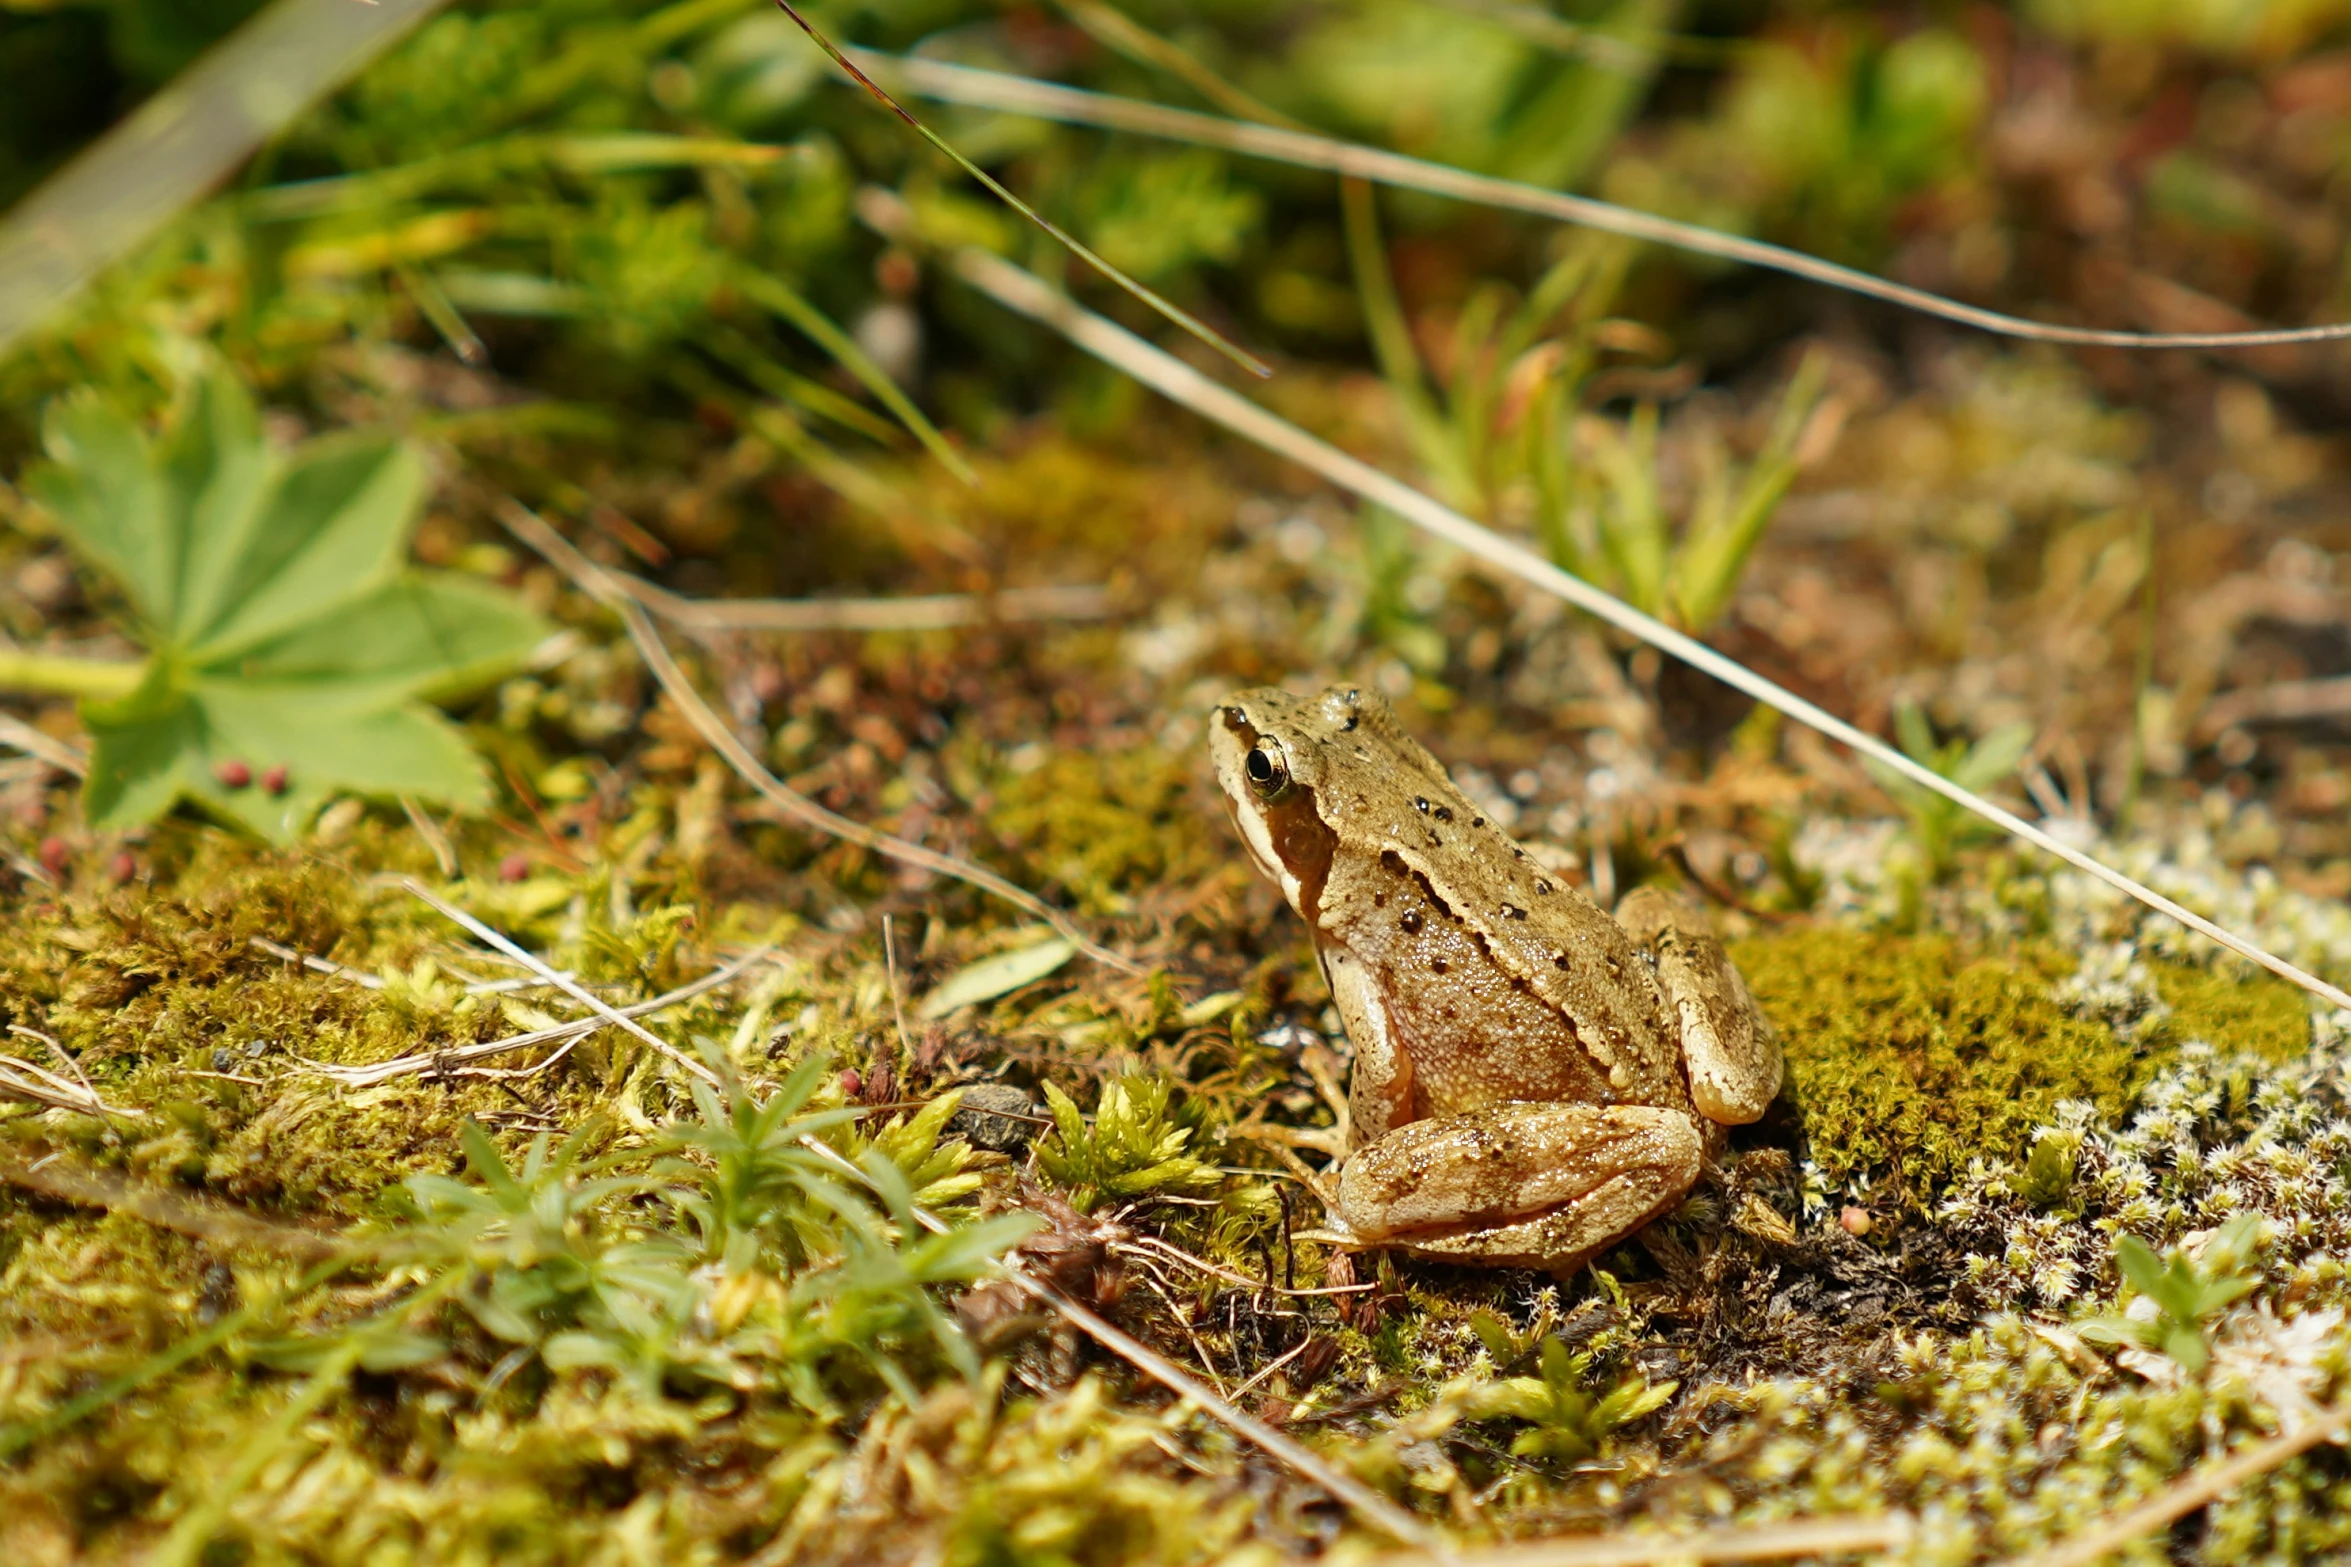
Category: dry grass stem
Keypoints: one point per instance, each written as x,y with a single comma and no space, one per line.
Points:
600,585
20,1079
457,1061
65,758
316,965
562,982
1763,1542
444,855
911,612
1046,100
1025,293
2197,1488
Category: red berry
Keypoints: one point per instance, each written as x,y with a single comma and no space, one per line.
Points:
1855,1221
514,867
851,1083
233,774
275,779
56,854
122,868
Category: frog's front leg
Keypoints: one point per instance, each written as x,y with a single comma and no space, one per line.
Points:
1520,1185
1727,1044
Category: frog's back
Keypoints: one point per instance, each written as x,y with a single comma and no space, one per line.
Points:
1375,784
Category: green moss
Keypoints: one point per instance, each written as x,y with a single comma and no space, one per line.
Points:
1102,827
1907,1059
2235,1009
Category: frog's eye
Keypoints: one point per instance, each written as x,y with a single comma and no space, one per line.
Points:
1268,774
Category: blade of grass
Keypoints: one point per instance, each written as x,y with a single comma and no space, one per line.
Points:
793,306
1049,101
1168,308
1020,291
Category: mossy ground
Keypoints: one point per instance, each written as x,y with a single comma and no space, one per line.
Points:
1803,1354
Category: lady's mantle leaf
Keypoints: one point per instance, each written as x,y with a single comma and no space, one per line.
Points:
291,652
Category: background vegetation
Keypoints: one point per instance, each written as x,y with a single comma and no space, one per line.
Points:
296,1267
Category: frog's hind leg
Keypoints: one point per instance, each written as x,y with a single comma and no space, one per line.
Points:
1520,1185
1727,1044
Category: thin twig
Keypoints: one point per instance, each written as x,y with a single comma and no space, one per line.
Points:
2191,1491
1368,1504
1046,100
1759,1542
890,961
600,585
912,612
1020,291
20,1079
569,987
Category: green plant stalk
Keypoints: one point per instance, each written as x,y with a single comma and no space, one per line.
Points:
61,674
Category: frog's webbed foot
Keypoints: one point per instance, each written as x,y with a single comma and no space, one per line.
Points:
1519,1185
1727,1044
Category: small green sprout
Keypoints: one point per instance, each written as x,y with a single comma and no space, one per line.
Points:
1133,1149
1939,826
1566,1421
2049,1169
2187,1295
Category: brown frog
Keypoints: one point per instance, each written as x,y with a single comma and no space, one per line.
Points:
1533,1080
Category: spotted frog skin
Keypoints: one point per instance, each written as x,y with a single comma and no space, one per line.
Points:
1533,1080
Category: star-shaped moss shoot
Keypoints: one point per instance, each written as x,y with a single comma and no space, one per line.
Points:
291,652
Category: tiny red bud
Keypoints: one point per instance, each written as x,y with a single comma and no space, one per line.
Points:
1856,1221
122,868
514,867
56,854
851,1083
275,779
233,774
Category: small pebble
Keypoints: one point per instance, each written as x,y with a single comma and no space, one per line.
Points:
1856,1221
233,774
222,1061
985,1118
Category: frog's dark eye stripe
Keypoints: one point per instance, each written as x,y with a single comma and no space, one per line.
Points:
1268,774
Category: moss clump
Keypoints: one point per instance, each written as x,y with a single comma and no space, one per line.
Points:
1906,1058
1102,827
2239,1010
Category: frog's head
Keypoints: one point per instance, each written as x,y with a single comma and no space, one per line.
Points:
1273,752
